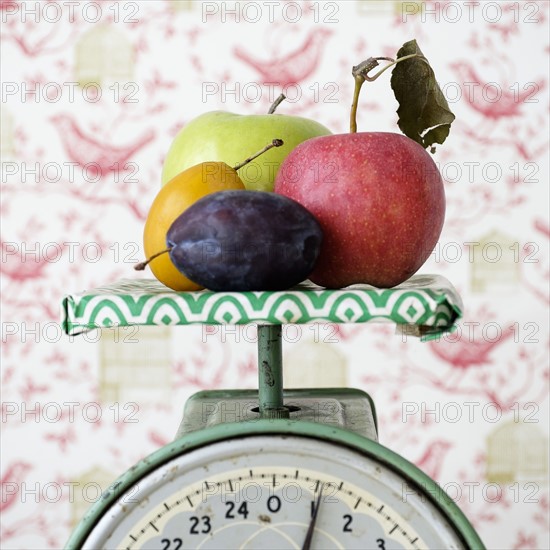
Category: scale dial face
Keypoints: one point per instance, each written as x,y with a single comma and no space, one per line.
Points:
265,491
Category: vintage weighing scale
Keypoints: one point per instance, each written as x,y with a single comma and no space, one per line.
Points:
273,468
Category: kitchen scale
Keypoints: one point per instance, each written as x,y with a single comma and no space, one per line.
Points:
273,468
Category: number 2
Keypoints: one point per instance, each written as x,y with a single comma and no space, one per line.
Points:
347,528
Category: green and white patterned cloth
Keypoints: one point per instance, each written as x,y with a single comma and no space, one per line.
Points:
426,305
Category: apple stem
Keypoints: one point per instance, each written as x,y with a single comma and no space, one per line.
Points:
141,265
361,73
274,143
276,103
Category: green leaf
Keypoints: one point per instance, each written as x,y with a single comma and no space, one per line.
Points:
424,113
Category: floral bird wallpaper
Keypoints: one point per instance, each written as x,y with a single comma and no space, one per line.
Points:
93,93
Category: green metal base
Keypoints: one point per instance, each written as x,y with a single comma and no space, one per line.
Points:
345,408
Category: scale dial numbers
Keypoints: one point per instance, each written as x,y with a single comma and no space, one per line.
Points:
260,491
272,508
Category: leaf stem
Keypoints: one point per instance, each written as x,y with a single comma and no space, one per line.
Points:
361,73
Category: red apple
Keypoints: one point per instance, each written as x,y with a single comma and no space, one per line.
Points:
378,196
380,201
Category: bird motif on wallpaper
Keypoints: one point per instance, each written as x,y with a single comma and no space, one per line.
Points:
86,150
293,67
431,461
466,352
542,227
10,5
44,39
507,105
15,474
19,268
525,541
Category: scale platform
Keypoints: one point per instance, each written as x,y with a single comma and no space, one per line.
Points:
425,306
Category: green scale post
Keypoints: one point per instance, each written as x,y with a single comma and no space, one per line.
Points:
298,469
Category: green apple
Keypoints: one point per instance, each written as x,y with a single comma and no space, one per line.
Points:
227,137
